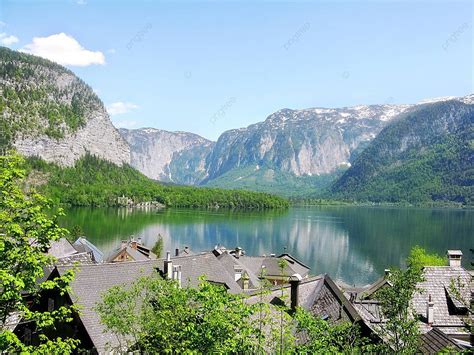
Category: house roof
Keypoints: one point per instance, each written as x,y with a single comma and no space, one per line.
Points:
134,254
194,266
435,341
317,294
61,248
450,313
271,265
91,282
437,284
83,245
229,262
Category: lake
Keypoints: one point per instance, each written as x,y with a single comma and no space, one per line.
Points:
352,244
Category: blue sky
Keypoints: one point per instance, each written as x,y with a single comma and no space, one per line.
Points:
206,67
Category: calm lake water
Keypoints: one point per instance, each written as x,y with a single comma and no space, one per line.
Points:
352,244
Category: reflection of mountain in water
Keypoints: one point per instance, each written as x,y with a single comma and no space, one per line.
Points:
352,244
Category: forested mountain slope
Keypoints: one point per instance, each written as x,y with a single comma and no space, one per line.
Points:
47,111
427,154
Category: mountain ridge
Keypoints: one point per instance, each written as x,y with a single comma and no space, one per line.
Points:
47,111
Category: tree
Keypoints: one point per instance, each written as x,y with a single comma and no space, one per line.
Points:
419,258
321,336
158,247
27,227
154,315
400,331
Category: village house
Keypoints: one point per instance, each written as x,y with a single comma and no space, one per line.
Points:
443,313
131,250
443,307
237,273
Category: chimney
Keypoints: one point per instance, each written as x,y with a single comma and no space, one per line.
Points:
386,273
272,255
238,252
176,252
177,274
430,311
295,283
168,268
139,241
133,243
245,281
123,244
454,258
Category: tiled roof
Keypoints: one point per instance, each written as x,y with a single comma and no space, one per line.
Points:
80,258
61,248
90,283
272,267
194,266
437,282
317,294
434,341
229,262
83,245
450,313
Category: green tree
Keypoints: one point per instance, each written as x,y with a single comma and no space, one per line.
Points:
27,227
154,315
401,330
419,257
158,247
321,336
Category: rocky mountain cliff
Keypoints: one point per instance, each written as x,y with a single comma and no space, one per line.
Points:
301,142
426,154
177,157
49,112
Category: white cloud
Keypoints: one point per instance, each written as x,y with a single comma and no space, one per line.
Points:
81,2
63,49
119,108
7,40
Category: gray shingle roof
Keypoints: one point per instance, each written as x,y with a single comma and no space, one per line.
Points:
194,266
254,264
90,283
61,248
435,341
449,313
83,245
437,281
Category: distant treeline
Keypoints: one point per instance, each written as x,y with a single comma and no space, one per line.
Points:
96,182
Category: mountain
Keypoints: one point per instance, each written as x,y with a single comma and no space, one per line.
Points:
426,154
48,111
177,157
293,152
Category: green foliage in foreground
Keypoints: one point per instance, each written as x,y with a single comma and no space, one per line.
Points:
401,328
26,231
95,182
154,315
323,337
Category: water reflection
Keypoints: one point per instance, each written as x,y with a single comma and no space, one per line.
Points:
351,244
